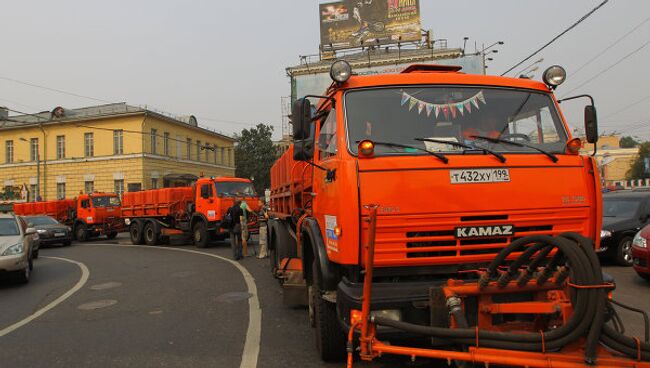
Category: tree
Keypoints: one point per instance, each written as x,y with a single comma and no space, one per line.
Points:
641,166
254,155
628,142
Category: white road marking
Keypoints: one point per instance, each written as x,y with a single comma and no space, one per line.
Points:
82,281
254,332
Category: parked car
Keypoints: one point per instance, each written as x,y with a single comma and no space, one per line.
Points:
624,214
641,254
49,230
17,244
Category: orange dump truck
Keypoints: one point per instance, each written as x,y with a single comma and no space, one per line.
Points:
154,215
446,211
88,215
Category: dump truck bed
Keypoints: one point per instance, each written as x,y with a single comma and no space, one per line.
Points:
61,209
157,202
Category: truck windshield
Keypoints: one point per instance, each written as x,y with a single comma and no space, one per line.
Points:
106,201
8,227
410,115
235,188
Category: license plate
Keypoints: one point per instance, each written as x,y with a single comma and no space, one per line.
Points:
59,234
469,176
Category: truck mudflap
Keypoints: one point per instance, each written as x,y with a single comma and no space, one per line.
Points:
542,302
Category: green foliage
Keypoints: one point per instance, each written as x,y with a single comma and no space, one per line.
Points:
628,142
254,156
638,169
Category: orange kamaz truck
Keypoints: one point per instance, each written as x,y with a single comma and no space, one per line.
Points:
443,215
89,215
154,215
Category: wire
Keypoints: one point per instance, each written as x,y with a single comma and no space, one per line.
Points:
628,106
53,89
556,37
609,47
608,68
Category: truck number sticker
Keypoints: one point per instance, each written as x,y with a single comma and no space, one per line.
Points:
211,213
469,176
332,239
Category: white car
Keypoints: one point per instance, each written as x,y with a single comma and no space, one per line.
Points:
17,246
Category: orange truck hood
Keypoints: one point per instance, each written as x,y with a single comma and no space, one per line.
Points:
420,210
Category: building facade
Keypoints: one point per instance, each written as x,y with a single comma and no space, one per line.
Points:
107,148
613,161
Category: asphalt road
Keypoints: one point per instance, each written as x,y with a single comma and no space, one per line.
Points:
151,307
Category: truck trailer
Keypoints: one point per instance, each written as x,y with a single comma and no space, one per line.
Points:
444,215
154,215
89,215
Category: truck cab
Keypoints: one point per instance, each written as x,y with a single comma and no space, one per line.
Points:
97,214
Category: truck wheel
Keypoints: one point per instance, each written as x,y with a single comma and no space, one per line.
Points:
135,231
283,245
200,234
81,233
330,339
111,235
151,233
624,252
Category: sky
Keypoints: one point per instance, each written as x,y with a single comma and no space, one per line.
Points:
224,61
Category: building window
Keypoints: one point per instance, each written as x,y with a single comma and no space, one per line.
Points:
215,153
118,142
154,183
119,187
207,152
33,149
60,147
89,186
198,150
154,139
60,190
229,156
189,148
9,151
134,187
223,155
179,149
89,145
33,193
166,144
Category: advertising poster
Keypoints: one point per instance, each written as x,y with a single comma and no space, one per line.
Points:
347,24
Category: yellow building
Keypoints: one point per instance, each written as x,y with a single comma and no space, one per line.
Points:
613,161
110,148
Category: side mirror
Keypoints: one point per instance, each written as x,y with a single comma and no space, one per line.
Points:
30,231
303,150
591,124
301,118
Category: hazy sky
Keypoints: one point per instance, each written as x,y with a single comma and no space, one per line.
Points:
225,60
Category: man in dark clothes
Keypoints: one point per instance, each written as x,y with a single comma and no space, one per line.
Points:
236,213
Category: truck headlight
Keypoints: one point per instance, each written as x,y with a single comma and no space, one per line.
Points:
605,234
41,231
639,241
13,250
393,314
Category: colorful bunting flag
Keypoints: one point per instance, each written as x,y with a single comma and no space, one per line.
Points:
447,109
405,98
468,106
429,108
460,108
420,107
480,97
412,103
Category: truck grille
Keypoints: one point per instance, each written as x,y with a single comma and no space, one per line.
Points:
430,239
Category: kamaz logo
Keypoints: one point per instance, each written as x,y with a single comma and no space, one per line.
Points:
484,231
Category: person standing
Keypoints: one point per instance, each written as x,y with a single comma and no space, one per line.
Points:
236,216
244,225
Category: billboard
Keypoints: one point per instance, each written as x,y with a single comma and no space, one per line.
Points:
317,83
352,23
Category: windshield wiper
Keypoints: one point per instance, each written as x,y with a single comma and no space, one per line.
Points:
398,145
462,145
518,144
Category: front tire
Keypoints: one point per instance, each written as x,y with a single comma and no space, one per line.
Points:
25,275
623,255
81,233
151,233
200,234
330,339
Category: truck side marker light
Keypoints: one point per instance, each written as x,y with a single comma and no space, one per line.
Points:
338,232
367,148
573,146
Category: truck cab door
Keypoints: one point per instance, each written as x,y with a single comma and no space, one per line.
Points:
84,211
205,201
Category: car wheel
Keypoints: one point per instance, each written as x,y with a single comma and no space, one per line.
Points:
624,252
23,276
151,233
330,339
135,231
645,276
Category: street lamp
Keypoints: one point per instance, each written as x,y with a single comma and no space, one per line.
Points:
488,50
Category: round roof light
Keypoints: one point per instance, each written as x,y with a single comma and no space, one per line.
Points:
554,76
340,71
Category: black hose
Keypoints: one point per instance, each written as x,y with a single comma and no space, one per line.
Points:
640,311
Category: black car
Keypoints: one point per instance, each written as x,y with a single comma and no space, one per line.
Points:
624,214
50,231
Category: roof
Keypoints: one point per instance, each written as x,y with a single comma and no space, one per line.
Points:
97,112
